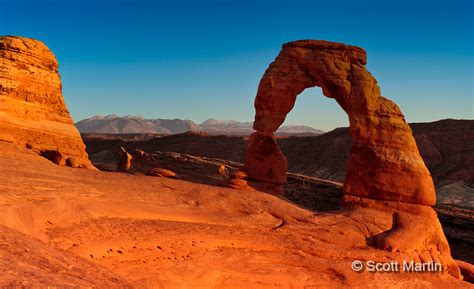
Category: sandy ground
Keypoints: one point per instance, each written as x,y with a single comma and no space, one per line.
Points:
65,227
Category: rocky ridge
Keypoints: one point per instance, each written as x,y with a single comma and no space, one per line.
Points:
113,124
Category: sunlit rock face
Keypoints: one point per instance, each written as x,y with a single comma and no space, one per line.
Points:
32,108
384,159
386,172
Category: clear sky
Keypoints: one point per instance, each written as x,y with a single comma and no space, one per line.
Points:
202,59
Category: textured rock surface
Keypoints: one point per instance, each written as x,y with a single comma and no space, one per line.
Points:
168,233
268,164
415,230
32,109
384,160
30,263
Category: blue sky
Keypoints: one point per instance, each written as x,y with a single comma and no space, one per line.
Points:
203,59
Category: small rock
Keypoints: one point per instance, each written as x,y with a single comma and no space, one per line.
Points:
31,146
223,170
237,183
73,163
238,175
159,172
140,153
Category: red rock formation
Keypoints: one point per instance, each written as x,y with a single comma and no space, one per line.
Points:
33,113
384,160
264,160
386,171
124,163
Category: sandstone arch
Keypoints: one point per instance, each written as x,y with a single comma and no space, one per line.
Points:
384,162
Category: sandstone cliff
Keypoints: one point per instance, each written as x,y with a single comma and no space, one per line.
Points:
32,108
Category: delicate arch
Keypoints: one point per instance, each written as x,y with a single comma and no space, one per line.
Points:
384,160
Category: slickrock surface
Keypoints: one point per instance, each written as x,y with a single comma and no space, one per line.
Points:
32,108
167,233
384,160
27,262
313,193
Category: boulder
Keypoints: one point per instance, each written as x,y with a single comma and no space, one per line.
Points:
140,153
236,184
223,170
235,180
467,270
238,175
73,163
160,172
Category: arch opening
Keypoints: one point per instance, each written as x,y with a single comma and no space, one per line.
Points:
312,108
323,155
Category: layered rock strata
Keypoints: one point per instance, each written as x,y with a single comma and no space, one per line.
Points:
33,113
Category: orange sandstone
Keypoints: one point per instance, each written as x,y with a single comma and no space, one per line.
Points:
384,161
386,171
33,113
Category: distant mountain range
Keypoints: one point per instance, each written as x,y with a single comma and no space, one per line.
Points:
130,124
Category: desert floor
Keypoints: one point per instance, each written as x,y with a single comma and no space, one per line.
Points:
67,227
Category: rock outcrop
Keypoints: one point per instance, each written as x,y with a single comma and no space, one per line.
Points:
236,179
33,113
384,160
386,171
124,162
